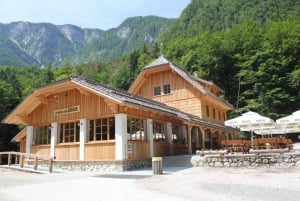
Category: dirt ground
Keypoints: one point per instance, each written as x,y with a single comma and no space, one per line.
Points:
197,184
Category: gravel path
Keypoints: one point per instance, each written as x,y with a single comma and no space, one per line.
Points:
197,184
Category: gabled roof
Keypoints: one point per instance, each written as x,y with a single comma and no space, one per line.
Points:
20,135
162,61
158,62
120,96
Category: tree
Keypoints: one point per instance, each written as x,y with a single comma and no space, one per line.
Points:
122,78
64,71
47,75
7,132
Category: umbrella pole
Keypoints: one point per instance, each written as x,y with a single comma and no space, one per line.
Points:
252,139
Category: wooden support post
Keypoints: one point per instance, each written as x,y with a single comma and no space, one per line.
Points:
50,165
157,165
35,163
22,161
17,159
0,159
190,139
9,159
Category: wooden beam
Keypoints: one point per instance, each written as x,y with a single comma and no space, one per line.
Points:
23,117
84,92
43,99
113,106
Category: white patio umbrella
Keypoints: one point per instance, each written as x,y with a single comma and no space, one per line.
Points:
288,124
276,130
251,121
291,122
270,131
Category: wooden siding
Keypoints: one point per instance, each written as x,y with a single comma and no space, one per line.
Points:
41,150
23,145
191,106
162,149
93,151
214,113
183,96
90,106
180,89
140,150
67,151
144,114
100,151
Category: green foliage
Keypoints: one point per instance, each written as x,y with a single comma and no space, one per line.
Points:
217,15
257,65
9,97
122,78
64,71
47,75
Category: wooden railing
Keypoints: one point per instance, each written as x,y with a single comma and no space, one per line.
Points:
20,159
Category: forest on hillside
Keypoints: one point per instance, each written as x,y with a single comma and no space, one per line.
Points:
251,49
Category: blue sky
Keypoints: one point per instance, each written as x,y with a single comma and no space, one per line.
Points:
101,14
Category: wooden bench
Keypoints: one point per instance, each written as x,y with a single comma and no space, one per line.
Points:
285,143
236,145
266,143
272,143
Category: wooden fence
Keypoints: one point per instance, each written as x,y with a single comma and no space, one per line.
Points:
20,159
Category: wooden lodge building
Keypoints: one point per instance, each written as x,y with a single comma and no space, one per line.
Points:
166,111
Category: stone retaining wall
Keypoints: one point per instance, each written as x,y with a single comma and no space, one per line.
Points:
99,166
248,160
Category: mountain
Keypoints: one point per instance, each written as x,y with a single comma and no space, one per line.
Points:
25,43
132,34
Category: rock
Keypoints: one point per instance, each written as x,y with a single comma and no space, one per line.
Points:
297,164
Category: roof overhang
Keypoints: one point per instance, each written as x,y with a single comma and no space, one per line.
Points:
44,94
20,135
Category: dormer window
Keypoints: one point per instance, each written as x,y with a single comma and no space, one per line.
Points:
167,89
157,91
